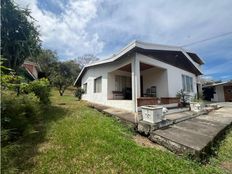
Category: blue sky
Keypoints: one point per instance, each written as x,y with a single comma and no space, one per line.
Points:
76,27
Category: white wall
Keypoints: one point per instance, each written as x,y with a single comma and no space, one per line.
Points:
168,81
111,81
156,77
104,71
219,95
174,75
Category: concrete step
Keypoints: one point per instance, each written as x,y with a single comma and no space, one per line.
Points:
194,136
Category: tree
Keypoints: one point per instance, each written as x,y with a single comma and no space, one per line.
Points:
46,59
20,38
86,59
74,69
63,75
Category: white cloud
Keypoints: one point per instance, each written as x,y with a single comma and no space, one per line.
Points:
66,33
102,27
207,77
168,22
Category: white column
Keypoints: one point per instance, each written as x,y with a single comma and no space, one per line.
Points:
135,77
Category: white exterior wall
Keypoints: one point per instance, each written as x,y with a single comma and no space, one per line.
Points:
156,77
167,78
174,75
111,81
102,97
219,95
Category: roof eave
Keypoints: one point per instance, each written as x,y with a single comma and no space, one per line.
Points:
140,44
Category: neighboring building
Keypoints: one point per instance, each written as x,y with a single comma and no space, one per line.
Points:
218,92
32,69
141,74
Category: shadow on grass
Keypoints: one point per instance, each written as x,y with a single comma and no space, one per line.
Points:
219,140
211,151
18,156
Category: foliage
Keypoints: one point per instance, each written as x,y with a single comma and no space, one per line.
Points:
63,75
208,93
2,67
183,97
78,93
74,69
78,139
46,59
197,98
18,114
11,82
41,88
61,83
19,36
86,59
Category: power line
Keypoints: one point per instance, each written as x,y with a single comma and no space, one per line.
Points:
210,38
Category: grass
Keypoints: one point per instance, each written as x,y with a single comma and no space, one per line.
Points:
73,138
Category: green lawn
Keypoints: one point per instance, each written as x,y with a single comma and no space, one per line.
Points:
73,138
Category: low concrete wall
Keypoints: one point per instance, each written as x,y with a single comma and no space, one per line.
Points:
121,104
169,100
143,101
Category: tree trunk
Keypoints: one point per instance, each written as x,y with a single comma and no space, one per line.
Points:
61,93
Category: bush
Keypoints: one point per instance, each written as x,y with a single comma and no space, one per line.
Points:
41,88
18,114
184,97
78,93
11,82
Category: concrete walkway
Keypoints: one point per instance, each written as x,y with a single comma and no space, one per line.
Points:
123,115
195,135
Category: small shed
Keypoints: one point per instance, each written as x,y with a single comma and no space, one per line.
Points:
218,92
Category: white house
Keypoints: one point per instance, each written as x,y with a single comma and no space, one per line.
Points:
141,74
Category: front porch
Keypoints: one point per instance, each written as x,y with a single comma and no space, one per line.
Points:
141,84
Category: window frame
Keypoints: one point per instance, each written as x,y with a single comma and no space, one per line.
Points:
85,85
187,83
95,90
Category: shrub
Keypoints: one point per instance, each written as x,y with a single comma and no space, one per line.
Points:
78,93
183,97
41,88
11,82
197,98
18,114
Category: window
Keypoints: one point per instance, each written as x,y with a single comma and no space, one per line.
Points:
85,87
187,83
121,82
98,84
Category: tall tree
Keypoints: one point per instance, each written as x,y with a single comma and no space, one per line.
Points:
86,59
20,38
